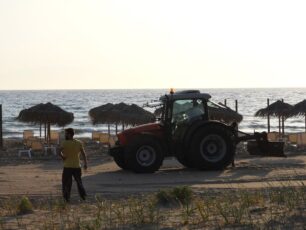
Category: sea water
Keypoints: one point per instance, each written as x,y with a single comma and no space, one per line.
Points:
79,102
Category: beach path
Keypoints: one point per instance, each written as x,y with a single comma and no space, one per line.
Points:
44,178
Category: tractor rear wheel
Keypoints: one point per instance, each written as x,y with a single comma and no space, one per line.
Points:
212,147
120,161
144,155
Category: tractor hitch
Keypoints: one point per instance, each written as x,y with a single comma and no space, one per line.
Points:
259,145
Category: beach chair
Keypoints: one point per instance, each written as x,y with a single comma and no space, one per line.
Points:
36,145
27,142
301,140
95,136
104,138
293,138
27,134
54,137
273,136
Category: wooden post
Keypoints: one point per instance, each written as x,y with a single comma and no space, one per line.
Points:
283,123
268,104
283,126
1,134
49,132
45,131
108,126
116,128
236,106
122,126
225,102
40,129
279,124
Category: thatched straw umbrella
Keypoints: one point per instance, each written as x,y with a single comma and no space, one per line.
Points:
47,114
299,110
278,109
224,114
120,114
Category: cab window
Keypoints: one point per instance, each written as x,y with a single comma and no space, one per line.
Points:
187,109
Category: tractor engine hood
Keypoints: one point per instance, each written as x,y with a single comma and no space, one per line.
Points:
127,135
147,128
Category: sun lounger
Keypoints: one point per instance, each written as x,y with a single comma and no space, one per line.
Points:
301,140
54,137
293,138
273,136
35,145
104,138
27,134
95,136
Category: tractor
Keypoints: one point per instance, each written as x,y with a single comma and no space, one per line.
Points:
185,131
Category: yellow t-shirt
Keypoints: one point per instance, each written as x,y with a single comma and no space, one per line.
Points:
71,151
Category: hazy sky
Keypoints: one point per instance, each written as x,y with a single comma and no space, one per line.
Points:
73,44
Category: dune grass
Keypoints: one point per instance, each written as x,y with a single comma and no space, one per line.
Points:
180,207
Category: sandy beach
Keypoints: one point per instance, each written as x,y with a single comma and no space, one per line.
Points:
41,175
261,182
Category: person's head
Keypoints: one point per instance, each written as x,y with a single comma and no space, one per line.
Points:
69,133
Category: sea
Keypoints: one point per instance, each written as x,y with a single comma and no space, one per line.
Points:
79,102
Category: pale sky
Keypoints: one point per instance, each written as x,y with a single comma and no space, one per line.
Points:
73,44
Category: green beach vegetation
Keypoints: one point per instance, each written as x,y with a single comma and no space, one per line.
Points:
175,208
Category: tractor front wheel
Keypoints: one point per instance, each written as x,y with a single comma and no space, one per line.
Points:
144,155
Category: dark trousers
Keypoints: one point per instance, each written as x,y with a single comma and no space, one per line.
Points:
67,175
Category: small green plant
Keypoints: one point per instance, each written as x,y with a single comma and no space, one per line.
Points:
203,210
25,206
137,210
182,194
178,195
1,223
164,198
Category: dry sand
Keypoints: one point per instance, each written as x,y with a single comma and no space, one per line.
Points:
41,176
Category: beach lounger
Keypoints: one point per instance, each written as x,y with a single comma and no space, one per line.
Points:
293,138
36,145
273,136
104,138
27,134
54,137
95,136
301,140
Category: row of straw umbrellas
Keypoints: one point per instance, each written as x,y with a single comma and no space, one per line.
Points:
49,114
283,111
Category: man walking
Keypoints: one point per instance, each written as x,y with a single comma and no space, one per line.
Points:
70,153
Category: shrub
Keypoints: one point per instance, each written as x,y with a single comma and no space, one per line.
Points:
175,196
25,206
182,194
164,197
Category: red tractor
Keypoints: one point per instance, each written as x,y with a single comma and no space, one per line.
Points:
186,132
